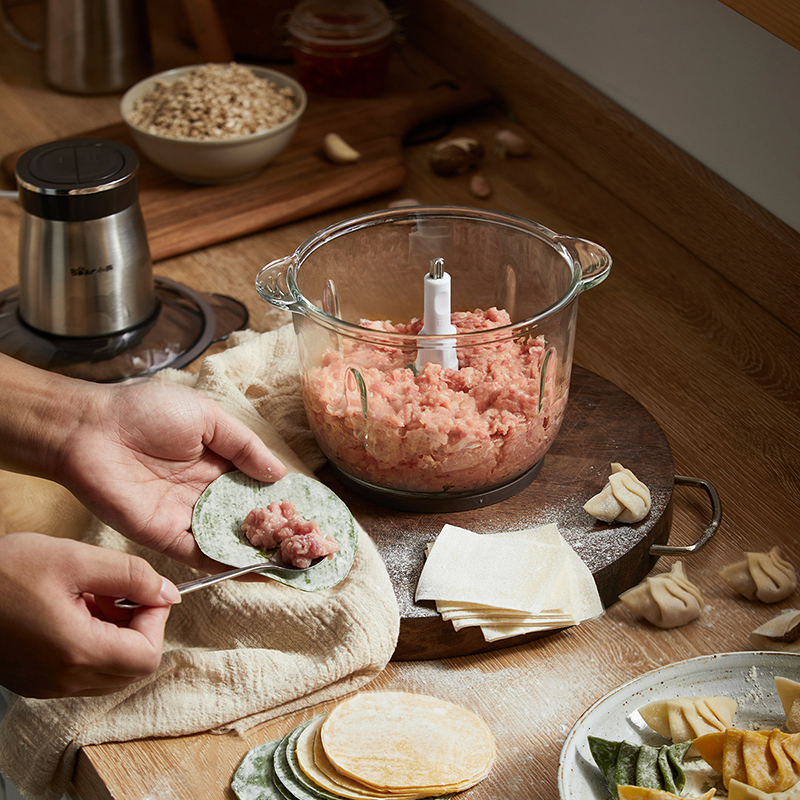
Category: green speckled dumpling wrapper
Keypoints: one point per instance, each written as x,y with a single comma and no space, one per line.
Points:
221,509
253,778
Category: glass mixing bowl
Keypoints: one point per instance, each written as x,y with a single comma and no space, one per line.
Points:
449,418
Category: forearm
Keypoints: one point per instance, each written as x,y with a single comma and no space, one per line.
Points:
40,413
138,457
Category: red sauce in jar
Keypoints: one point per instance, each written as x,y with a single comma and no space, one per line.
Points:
341,49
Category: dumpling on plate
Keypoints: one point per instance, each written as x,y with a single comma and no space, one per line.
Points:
668,600
685,718
626,764
789,693
761,576
741,791
765,760
623,499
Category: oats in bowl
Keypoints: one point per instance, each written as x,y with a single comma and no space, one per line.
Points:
213,101
213,123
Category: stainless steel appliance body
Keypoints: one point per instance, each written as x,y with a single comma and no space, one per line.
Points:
85,268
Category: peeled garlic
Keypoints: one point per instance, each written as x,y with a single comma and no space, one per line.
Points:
338,150
479,186
511,144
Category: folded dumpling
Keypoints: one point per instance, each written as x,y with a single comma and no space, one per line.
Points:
782,632
626,764
623,499
765,760
741,791
667,600
761,576
685,718
789,693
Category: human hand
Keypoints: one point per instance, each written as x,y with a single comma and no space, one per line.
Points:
62,635
143,456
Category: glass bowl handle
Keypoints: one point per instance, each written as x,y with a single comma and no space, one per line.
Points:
594,260
272,286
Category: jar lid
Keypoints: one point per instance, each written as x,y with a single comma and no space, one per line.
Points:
77,179
353,21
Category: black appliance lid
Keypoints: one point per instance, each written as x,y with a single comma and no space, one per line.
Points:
77,179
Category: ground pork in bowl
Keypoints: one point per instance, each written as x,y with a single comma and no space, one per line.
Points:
213,123
400,423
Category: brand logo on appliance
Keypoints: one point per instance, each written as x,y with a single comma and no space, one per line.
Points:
78,271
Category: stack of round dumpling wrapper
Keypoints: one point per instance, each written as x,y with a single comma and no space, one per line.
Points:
372,746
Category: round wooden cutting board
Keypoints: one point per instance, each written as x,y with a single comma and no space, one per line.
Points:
601,424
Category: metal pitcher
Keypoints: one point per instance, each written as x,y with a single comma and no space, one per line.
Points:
91,46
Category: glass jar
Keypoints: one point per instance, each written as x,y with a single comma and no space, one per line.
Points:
341,48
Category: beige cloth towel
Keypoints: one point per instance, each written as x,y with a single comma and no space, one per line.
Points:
238,653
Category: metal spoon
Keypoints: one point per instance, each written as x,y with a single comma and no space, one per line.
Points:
273,565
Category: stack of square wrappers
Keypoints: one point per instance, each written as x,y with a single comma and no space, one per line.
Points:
508,583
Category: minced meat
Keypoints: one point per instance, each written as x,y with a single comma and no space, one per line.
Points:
280,524
442,429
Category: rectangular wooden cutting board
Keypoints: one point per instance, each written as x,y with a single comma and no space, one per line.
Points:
181,217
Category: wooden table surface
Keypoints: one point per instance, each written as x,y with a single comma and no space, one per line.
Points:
716,370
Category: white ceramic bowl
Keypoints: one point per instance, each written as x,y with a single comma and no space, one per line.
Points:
217,160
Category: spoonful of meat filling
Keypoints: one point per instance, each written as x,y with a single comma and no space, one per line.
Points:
299,544
280,524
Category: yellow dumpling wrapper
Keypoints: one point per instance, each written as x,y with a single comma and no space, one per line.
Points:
399,742
741,791
316,766
766,760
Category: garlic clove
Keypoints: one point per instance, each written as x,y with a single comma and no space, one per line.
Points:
511,144
338,150
480,186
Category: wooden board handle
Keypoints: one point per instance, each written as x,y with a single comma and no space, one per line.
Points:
440,100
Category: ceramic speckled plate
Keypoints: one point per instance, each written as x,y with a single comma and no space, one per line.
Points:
221,509
747,677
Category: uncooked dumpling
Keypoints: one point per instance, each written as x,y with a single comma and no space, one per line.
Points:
623,499
761,576
765,760
667,600
789,693
685,718
741,791
782,632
